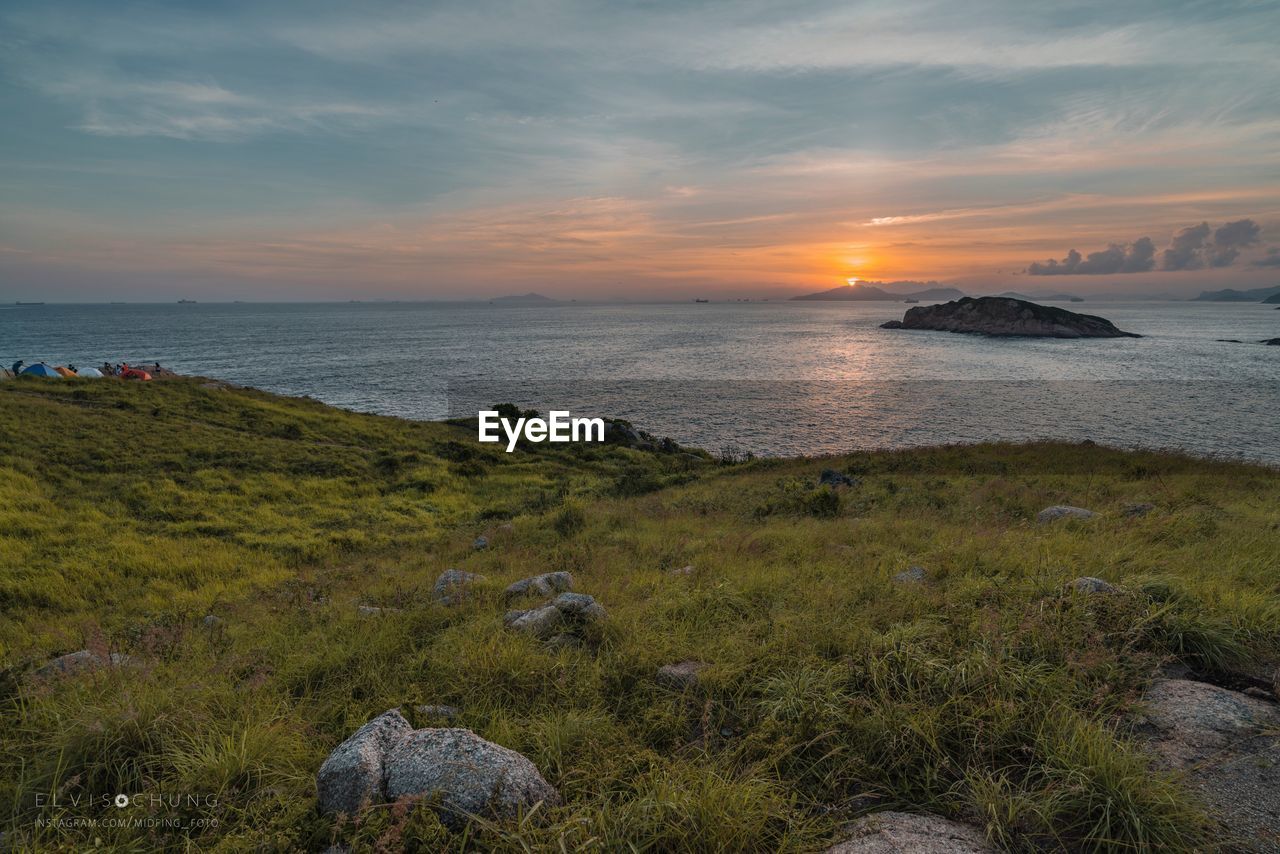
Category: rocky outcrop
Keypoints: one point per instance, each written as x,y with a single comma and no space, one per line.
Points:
1063,511
833,478
909,833
546,584
81,661
453,586
1273,342
1224,743
455,772
1000,316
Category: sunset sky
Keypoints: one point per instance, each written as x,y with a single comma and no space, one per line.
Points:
644,150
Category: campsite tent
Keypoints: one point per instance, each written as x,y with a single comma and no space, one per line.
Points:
89,372
135,374
40,370
64,372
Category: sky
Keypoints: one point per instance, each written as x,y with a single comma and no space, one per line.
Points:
646,150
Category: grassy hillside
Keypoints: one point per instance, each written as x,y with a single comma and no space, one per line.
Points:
129,512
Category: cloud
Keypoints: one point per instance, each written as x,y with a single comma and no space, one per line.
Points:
1136,257
1193,248
1271,259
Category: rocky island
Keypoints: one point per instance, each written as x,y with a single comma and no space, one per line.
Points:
1004,316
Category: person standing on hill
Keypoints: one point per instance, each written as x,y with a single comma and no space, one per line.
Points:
17,367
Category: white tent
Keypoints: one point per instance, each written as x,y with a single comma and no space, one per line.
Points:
89,372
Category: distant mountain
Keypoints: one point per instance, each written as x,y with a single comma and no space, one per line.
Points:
860,292
1232,295
525,298
1038,297
1274,298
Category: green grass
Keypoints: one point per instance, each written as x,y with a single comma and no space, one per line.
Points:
128,512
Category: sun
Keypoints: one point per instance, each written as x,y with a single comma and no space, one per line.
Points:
852,281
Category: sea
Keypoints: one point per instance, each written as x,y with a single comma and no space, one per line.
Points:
772,378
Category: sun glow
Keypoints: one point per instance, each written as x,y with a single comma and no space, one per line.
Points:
852,281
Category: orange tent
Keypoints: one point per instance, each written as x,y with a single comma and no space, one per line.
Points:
66,372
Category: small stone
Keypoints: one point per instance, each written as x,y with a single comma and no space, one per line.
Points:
680,676
210,621
546,584
684,570
909,833
480,543
1087,584
1134,511
374,610
459,775
911,575
1063,511
353,775
451,587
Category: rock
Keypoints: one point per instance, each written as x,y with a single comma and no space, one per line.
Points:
80,661
541,623
831,477
462,775
451,587
1134,511
547,584
480,543
1273,342
684,570
1063,511
680,676
1187,722
1087,584
580,607
1223,742
1258,693
1004,316
211,622
566,614
909,833
447,713
1228,341
354,775
911,575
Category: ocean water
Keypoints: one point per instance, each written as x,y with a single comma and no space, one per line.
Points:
772,377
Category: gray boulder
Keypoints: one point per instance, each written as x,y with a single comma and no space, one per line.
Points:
211,621
1087,584
579,607
542,623
1063,511
80,661
680,676
1225,745
909,833
1186,721
480,543
462,775
546,584
451,587
354,774
911,575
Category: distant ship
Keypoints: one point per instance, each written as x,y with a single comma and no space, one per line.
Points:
702,300
911,300
186,302
20,302
1077,299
